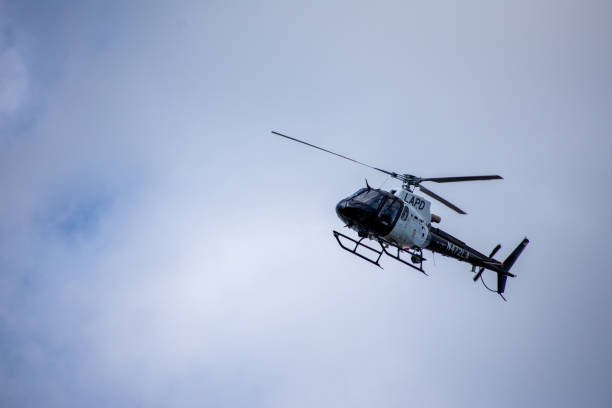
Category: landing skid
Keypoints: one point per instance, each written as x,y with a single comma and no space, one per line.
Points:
416,256
358,245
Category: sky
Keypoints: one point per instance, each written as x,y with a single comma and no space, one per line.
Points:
159,247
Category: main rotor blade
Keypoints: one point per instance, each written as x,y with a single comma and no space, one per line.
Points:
392,174
442,200
465,178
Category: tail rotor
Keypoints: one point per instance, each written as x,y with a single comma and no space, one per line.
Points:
493,252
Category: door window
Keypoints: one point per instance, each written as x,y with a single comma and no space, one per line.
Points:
389,211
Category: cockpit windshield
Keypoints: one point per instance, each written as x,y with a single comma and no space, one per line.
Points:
370,197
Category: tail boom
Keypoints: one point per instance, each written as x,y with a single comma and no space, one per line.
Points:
444,243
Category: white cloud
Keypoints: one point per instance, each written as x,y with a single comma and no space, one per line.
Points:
13,81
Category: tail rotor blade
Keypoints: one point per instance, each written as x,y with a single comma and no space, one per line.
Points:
491,255
480,271
494,251
442,200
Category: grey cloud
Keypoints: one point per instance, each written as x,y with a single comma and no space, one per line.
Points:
159,247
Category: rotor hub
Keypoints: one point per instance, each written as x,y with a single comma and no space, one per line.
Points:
408,181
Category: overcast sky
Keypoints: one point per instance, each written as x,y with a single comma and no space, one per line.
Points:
159,247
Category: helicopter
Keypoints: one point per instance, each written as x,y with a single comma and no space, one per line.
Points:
400,222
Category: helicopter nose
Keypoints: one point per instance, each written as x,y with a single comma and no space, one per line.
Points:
341,209
353,213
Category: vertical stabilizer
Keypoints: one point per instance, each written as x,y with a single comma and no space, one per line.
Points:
501,278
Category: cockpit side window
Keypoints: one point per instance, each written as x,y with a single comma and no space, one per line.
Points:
390,211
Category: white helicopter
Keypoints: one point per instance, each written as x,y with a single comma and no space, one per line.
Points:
402,220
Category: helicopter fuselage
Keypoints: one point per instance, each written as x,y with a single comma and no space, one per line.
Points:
404,220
